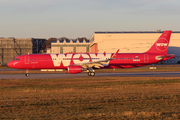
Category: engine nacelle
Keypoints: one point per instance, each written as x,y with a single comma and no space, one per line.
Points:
74,69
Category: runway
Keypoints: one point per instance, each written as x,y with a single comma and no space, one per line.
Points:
84,75
9,69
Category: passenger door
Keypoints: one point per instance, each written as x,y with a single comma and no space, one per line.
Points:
146,58
27,59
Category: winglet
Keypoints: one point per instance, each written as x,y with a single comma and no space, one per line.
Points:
115,54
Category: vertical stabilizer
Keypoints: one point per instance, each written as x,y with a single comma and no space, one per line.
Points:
161,45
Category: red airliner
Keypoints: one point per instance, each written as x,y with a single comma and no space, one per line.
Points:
78,62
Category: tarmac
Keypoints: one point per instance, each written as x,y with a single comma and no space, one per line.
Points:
84,75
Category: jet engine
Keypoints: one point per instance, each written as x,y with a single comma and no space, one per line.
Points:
74,69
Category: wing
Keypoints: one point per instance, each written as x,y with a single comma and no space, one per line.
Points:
95,64
98,63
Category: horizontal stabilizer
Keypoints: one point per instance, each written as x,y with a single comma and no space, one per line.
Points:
169,56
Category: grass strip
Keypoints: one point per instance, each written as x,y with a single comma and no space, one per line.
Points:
91,98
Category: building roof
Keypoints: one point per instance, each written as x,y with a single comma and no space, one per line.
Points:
106,32
66,40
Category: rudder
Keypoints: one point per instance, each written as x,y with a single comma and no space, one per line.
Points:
161,45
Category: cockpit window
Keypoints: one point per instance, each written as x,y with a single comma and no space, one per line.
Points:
18,59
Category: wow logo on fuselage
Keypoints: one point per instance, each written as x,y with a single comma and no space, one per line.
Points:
67,59
162,44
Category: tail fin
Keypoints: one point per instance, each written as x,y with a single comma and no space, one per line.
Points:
161,45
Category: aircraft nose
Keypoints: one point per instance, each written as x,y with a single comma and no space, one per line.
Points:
10,64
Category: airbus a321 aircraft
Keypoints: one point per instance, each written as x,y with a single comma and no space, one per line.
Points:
78,62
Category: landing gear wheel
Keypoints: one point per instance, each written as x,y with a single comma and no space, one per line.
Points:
27,74
91,73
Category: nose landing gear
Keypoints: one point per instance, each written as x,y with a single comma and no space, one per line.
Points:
27,73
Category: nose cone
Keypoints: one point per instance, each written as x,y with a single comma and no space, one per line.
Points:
11,64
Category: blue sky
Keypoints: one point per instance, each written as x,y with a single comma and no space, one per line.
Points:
81,18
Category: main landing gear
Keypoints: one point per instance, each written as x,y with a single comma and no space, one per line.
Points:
27,73
91,72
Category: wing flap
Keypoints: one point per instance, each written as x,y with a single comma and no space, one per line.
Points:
96,64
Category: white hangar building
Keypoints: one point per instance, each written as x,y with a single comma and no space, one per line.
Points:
132,42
